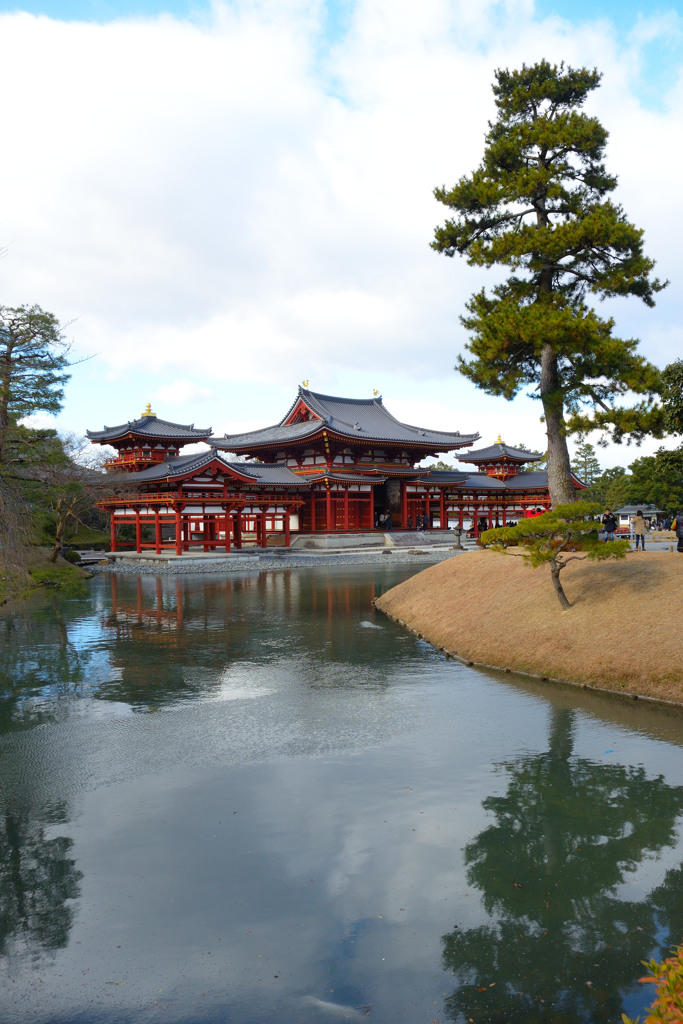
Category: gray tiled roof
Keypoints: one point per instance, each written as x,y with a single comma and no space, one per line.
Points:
500,451
483,482
363,419
347,478
442,476
533,480
631,510
271,473
152,427
260,473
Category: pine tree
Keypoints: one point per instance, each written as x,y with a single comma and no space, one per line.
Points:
585,464
539,205
33,365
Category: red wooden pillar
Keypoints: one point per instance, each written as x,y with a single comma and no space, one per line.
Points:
262,530
504,515
329,525
226,525
475,520
490,517
404,505
313,527
460,517
157,531
286,525
237,532
346,507
443,520
112,530
178,532
372,507
138,531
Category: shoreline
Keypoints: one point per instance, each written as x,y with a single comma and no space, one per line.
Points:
454,656
267,561
496,613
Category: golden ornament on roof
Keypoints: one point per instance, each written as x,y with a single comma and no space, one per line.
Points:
375,392
304,383
499,440
148,410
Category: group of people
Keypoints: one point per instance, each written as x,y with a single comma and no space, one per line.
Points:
385,521
639,528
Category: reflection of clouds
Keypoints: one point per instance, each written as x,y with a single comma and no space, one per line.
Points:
302,816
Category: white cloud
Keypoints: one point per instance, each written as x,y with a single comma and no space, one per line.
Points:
230,205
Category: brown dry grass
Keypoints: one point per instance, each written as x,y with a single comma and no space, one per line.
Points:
622,633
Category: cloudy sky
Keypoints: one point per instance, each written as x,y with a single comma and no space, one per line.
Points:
223,200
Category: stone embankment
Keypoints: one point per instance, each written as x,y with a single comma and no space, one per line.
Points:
272,560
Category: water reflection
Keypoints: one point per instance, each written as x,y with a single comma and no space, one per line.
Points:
561,944
38,880
292,833
197,629
41,661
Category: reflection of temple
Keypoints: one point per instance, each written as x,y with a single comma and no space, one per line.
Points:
331,465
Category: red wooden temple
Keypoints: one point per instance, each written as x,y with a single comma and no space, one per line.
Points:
331,466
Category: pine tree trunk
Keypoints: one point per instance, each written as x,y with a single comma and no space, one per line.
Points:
561,596
560,483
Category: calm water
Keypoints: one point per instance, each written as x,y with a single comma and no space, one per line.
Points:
254,800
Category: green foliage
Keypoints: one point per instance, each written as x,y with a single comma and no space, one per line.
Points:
538,205
33,365
672,396
441,465
552,538
585,464
652,480
667,977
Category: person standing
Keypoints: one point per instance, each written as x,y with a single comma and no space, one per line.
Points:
639,529
609,524
677,525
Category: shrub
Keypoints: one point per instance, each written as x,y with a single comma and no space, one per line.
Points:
668,979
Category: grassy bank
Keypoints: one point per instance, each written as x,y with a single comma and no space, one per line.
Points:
36,571
622,633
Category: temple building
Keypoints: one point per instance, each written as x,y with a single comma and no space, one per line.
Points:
331,466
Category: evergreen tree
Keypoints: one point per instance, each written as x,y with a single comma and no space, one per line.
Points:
33,365
538,205
585,464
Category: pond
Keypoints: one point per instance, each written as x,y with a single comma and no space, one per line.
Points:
254,800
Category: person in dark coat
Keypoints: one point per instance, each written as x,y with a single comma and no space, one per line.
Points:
677,525
609,524
410,522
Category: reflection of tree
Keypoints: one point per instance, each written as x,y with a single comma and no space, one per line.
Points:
38,880
39,661
561,943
